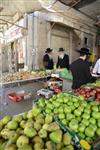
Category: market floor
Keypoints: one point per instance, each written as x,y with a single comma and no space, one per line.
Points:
14,108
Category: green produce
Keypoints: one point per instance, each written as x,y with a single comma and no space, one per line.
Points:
6,119
22,140
25,147
30,115
92,121
38,139
23,124
53,126
12,125
50,145
18,118
48,119
36,111
1,125
96,115
25,115
13,136
98,131
56,136
89,132
43,133
5,133
67,139
37,146
30,132
37,126
11,147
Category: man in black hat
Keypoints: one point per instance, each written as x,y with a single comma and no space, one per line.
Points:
80,69
63,59
48,60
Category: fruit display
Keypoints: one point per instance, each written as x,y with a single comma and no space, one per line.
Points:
88,92
22,76
74,112
33,131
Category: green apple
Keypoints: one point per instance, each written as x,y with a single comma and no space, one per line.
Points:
67,110
77,112
96,115
98,123
81,135
30,115
94,127
61,116
13,136
95,108
92,121
64,121
48,110
65,100
36,111
11,147
81,128
43,133
73,126
6,119
18,118
12,125
76,104
89,132
22,140
30,132
25,147
56,136
48,119
85,122
60,109
86,116
69,116
22,124
98,131
75,99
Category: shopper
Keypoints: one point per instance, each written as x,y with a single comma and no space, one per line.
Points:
63,59
96,69
48,60
80,69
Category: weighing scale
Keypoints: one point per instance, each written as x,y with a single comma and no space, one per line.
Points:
45,92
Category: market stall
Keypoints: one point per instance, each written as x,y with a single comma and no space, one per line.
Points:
66,118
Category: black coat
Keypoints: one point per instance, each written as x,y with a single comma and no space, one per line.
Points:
48,62
81,73
63,63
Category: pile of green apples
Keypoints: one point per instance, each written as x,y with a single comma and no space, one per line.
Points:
74,112
33,131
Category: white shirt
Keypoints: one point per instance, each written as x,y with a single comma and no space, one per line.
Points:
96,68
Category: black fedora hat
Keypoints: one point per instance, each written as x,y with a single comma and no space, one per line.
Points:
84,51
61,49
48,50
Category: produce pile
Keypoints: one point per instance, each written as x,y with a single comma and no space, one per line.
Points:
88,92
33,131
74,112
22,76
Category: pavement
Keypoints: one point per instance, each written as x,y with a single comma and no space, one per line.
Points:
8,107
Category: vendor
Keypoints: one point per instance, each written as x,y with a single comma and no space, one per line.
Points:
96,69
63,59
48,60
80,69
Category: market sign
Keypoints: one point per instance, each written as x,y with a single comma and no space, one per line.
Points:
14,32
